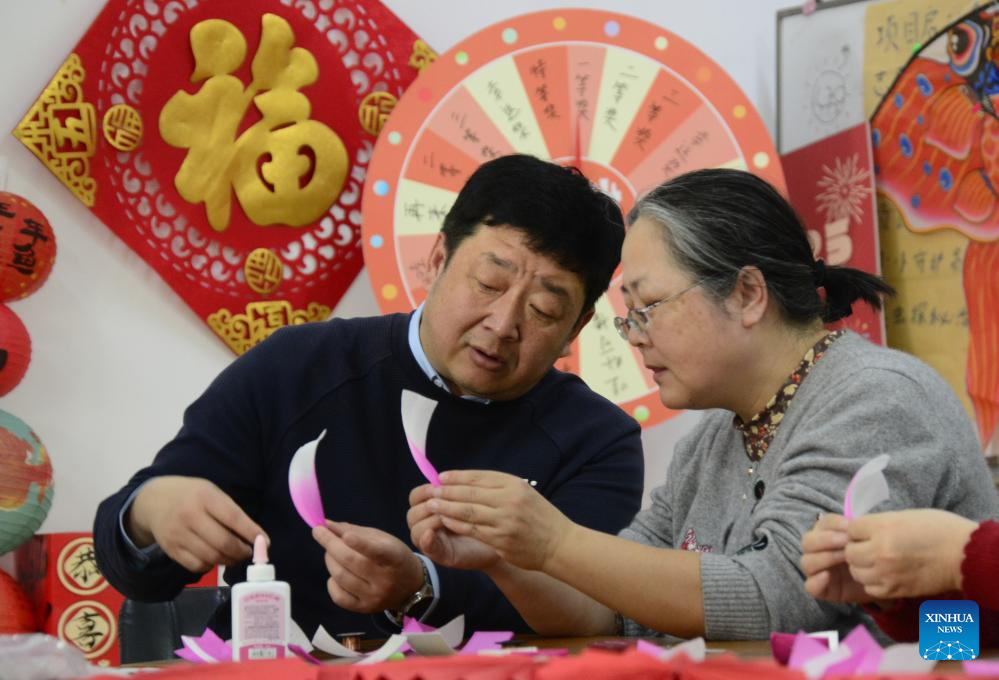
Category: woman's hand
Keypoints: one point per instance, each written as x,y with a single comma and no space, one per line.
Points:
503,512
444,547
827,574
910,553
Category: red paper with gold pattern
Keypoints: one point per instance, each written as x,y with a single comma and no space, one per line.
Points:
626,101
71,598
227,144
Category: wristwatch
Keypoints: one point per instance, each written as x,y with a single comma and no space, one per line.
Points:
417,603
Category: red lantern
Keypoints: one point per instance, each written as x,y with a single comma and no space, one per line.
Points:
15,350
16,614
27,247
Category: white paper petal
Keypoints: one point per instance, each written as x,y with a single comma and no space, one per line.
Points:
867,488
391,646
296,636
327,643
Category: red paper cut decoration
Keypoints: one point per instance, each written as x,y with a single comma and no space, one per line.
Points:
831,185
15,350
27,247
626,101
227,143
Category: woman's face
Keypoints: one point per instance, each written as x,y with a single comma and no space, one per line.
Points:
684,343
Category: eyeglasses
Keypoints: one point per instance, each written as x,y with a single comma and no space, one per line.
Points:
638,319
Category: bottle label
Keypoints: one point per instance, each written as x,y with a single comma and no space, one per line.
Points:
262,631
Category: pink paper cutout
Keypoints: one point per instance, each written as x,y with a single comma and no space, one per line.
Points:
650,648
804,649
781,645
416,413
864,649
206,648
483,640
981,667
410,625
303,484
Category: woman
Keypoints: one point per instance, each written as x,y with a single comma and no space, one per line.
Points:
726,306
893,561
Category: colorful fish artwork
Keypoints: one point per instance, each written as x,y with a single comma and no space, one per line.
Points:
936,153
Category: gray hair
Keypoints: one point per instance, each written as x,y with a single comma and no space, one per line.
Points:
716,222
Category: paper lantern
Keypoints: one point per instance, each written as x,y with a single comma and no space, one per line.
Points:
26,487
27,247
16,614
15,350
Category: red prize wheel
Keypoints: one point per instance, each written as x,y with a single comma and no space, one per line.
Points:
15,350
27,247
627,102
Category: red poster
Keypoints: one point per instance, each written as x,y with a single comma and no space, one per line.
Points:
831,185
227,144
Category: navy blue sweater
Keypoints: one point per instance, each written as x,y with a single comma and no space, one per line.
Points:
346,377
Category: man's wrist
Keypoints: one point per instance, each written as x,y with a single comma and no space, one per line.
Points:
421,601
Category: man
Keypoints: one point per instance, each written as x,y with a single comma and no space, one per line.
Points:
524,253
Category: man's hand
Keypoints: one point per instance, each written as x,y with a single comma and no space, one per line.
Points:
824,562
195,523
370,570
442,546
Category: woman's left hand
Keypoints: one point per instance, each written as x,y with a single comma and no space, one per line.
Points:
502,511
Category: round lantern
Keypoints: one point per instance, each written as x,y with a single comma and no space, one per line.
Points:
15,350
16,613
27,247
26,487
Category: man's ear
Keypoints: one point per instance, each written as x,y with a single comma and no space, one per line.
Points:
437,259
749,298
582,321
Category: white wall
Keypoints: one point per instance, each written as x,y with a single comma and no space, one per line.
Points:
117,355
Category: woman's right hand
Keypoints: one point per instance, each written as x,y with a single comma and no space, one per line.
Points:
827,574
502,511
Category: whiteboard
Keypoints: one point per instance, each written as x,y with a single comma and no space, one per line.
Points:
820,58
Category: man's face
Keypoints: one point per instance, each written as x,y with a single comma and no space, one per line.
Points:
498,315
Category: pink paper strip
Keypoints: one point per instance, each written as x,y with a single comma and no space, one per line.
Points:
426,467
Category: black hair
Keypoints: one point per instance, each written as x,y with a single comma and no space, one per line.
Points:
718,221
561,215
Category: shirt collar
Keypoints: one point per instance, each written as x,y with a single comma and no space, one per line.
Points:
416,347
760,431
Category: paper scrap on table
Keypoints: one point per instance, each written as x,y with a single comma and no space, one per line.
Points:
303,484
205,648
867,488
781,644
858,654
422,639
981,667
695,649
416,413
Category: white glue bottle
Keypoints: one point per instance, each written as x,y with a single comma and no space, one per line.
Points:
261,611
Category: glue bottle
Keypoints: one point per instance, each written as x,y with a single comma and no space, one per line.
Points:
261,611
